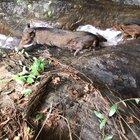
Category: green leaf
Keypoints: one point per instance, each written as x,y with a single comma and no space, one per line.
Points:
29,6
30,80
103,123
27,91
19,1
113,110
99,115
35,72
42,66
137,100
49,13
109,137
39,116
37,66
32,75
20,79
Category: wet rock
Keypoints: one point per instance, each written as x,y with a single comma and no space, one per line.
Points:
118,66
63,11
8,30
131,2
8,42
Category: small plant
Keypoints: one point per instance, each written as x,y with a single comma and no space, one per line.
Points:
114,107
113,110
21,79
39,116
102,119
33,74
27,91
109,137
19,1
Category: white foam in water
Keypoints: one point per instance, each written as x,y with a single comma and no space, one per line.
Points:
38,23
8,42
113,36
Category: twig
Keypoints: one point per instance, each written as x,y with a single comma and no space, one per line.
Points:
121,125
5,122
136,136
48,115
70,134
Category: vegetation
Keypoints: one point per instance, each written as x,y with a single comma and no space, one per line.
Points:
113,109
68,101
33,74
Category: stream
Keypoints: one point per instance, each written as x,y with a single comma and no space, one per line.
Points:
115,67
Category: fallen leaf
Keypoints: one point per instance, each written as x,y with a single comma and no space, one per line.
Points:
56,80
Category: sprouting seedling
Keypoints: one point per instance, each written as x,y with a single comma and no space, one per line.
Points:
21,79
113,110
102,119
39,116
109,137
34,71
37,66
114,107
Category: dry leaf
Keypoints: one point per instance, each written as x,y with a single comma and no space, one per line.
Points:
130,120
56,80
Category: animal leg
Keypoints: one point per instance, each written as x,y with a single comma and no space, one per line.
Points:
77,51
78,47
96,45
126,36
134,36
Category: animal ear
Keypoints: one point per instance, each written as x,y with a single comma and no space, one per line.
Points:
32,33
27,28
28,25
